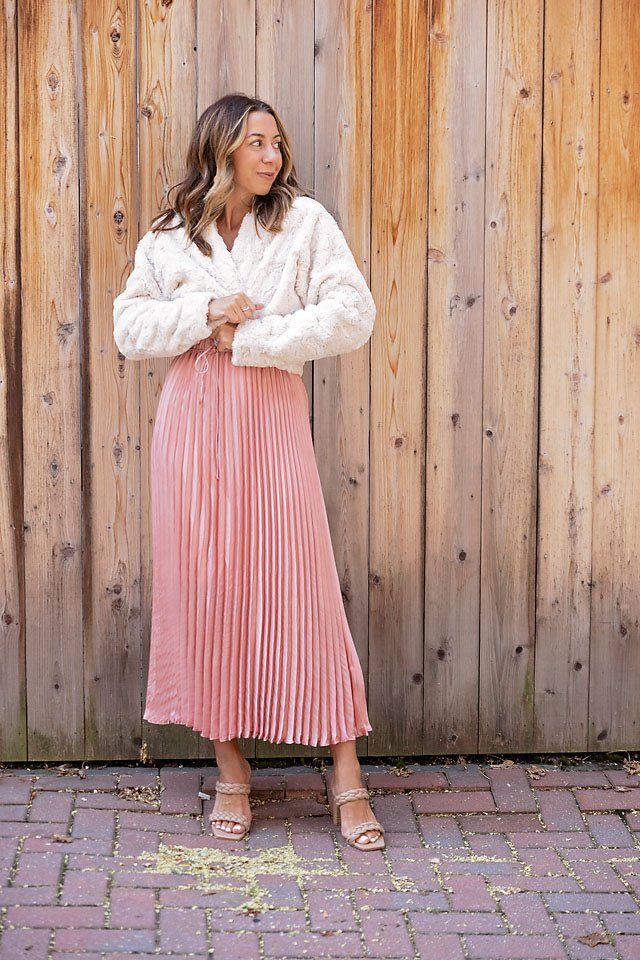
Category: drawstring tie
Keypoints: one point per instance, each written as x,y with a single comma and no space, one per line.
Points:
201,371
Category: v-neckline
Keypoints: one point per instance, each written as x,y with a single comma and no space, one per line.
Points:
231,250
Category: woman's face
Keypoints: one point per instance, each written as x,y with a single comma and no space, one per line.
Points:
258,155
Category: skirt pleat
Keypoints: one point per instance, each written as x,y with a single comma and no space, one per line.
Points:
249,636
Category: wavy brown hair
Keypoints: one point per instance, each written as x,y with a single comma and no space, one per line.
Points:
200,197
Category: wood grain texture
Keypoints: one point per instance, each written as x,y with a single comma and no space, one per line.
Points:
113,639
51,378
456,137
478,457
510,378
398,347
13,675
567,358
614,677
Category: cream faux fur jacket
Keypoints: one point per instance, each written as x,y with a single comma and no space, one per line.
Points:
316,301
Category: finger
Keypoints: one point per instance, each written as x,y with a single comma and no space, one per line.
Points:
246,308
240,313
253,307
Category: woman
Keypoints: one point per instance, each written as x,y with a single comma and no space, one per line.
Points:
243,279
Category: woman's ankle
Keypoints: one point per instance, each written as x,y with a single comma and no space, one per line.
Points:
347,773
232,765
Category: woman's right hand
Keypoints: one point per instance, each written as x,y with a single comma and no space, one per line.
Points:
233,309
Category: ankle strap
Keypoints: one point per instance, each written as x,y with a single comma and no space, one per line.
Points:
232,787
358,793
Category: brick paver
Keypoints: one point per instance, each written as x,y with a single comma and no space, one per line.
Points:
483,860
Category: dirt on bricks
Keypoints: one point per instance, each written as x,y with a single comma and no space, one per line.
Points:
508,858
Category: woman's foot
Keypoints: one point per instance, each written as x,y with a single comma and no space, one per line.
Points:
346,775
233,768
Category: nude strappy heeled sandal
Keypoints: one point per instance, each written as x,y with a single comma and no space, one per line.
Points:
240,818
335,802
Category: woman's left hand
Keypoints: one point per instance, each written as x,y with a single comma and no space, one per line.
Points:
223,337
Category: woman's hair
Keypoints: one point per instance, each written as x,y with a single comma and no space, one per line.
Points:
201,197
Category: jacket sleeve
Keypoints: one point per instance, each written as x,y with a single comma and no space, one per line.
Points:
147,324
337,318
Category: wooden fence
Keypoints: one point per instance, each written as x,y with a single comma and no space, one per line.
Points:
479,456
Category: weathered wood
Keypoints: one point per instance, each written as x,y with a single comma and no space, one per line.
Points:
614,678
478,456
398,348
456,134
510,379
113,641
567,356
51,378
13,680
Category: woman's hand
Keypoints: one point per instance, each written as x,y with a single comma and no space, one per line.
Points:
233,309
223,336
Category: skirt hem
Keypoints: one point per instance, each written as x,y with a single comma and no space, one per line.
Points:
259,735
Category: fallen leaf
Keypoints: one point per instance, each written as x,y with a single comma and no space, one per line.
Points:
536,772
593,939
68,770
141,794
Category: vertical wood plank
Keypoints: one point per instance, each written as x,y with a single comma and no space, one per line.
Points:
567,358
614,704
49,243
113,640
398,346
341,384
285,78
226,49
13,692
226,63
166,116
510,393
457,77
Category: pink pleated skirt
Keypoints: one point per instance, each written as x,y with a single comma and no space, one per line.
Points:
249,636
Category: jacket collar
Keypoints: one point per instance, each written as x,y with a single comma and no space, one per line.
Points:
232,269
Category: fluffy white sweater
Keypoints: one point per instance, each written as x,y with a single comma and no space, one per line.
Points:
317,303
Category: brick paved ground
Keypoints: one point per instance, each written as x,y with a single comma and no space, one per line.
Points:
483,860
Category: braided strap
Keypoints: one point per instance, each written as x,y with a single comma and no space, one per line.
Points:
233,788
233,817
362,828
358,793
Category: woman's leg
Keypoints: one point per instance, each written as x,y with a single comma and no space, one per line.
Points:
233,768
346,776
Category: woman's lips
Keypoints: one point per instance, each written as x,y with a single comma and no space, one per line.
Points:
269,176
